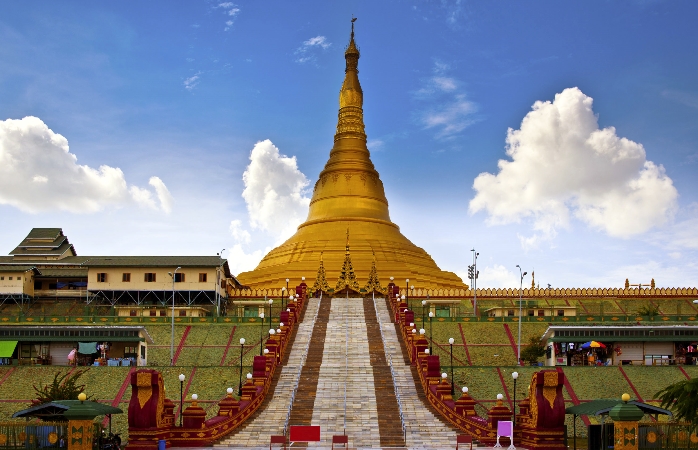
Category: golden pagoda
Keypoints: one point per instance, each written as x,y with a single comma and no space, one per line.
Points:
349,196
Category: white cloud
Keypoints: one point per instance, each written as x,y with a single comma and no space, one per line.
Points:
562,164
239,234
238,259
231,10
451,117
274,191
685,98
308,50
38,173
496,276
191,82
447,109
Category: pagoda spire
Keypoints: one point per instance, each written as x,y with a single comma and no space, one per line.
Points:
374,283
347,277
321,279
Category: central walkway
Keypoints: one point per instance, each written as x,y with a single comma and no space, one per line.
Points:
346,384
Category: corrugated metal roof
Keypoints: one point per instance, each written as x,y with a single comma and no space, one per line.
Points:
64,273
44,233
154,261
17,268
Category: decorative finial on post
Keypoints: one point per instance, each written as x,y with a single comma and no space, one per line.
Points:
353,19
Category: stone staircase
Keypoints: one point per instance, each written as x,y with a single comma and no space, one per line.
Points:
346,352
424,429
270,421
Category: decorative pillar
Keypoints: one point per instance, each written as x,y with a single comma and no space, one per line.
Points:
80,424
625,419
194,416
465,405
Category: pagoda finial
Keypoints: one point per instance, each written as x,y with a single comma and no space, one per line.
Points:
353,19
347,240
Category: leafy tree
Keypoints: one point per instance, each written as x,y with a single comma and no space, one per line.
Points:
682,399
532,351
648,310
63,387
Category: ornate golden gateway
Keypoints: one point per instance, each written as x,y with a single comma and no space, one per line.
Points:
349,195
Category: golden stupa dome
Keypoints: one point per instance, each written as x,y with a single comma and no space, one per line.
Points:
349,199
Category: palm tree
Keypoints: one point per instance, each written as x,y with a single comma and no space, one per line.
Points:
682,399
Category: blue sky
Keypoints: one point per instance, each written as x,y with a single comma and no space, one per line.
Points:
162,104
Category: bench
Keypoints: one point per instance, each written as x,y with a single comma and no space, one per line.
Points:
278,440
340,439
464,439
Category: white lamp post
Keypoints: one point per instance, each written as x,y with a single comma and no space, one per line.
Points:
515,375
523,274
173,275
181,396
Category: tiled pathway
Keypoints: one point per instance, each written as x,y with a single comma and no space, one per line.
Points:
346,364
271,421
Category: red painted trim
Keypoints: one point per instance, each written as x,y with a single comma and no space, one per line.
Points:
9,372
511,339
120,394
227,346
583,306
465,345
620,307
632,386
446,348
506,390
573,396
680,368
181,344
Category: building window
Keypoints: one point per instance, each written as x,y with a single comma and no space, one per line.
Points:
202,278
19,278
163,313
132,313
10,278
126,277
37,285
510,312
541,313
179,277
530,312
183,312
560,312
153,313
2,278
149,277
101,278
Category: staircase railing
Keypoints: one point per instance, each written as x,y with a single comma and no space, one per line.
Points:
389,356
304,355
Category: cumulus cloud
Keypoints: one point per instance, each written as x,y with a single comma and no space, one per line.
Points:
563,165
447,109
308,50
38,173
274,191
239,259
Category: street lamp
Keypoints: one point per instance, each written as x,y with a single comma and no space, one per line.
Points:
474,275
407,292
424,304
450,342
181,396
261,330
242,347
282,305
218,284
173,275
431,314
515,375
270,302
523,274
